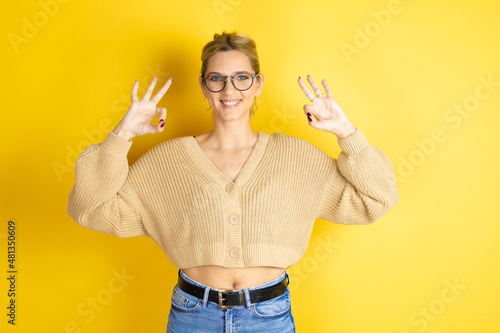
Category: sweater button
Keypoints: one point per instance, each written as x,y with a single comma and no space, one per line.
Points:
234,219
234,252
229,187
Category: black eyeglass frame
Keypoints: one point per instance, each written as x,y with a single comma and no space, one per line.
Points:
232,81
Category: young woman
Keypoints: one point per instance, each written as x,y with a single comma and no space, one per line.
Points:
231,208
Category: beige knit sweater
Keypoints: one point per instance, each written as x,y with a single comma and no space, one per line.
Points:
198,216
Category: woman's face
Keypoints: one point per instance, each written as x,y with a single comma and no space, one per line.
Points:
231,103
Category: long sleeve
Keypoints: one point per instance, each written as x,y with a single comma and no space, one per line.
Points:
361,187
101,199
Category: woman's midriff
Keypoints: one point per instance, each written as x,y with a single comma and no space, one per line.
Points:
219,277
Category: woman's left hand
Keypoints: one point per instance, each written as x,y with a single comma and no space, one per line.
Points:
330,116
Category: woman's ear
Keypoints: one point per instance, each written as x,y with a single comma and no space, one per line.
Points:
202,86
260,84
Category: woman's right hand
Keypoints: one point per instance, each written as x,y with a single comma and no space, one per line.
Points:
137,120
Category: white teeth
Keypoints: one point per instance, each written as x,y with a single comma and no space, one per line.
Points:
230,103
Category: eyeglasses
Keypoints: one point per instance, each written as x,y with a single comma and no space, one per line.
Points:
241,81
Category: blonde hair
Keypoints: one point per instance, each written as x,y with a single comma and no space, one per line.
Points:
229,41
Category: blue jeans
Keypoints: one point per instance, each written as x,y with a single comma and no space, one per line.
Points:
191,314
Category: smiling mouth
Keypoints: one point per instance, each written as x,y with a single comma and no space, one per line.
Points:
231,103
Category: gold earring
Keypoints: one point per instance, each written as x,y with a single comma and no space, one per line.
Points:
209,107
256,101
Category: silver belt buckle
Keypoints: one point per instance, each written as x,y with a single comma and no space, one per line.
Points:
228,291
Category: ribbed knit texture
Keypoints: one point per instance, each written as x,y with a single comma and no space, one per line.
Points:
198,216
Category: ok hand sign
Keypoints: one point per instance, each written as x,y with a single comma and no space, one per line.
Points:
329,115
137,120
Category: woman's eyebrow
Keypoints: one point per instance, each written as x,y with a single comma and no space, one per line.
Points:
218,73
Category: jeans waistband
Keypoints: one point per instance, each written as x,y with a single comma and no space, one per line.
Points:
246,291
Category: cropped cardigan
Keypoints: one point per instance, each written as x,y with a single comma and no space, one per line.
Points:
198,216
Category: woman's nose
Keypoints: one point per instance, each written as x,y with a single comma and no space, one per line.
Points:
229,88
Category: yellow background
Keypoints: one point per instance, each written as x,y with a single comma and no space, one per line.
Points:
430,265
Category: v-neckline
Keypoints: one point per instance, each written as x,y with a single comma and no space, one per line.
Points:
206,166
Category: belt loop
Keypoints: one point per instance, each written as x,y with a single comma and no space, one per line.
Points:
288,281
205,297
248,303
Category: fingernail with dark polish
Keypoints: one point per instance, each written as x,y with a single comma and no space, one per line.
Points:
161,120
170,79
299,77
162,124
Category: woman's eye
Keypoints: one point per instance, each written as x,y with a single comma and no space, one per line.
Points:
216,78
242,77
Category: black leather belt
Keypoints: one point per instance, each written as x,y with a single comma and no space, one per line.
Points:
227,299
